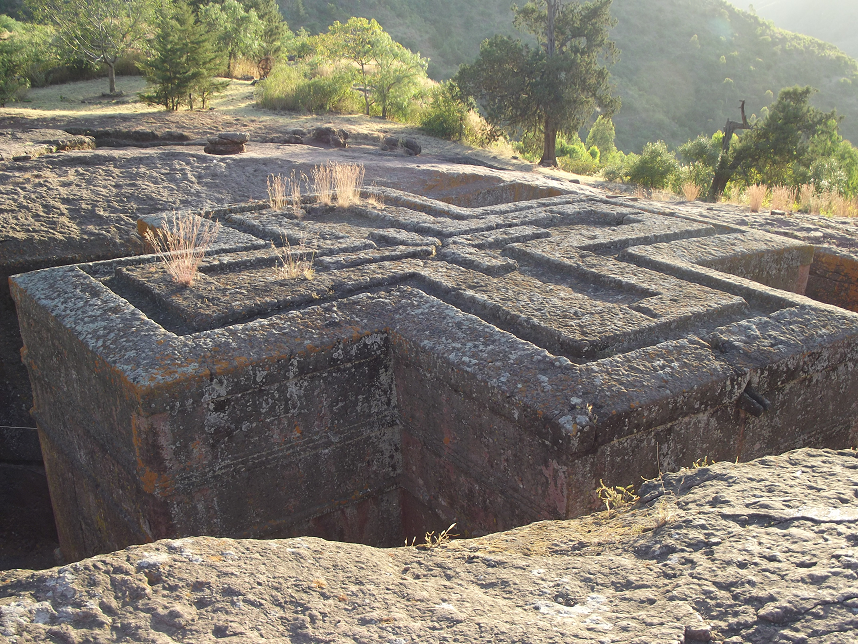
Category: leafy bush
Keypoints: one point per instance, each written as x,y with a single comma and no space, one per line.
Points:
13,61
586,167
309,87
602,136
617,170
446,114
654,168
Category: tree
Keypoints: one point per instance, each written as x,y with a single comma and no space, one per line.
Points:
781,149
238,32
355,41
387,69
13,63
98,30
397,73
184,61
552,89
602,136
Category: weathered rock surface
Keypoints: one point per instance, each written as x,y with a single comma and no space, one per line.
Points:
117,137
331,136
28,145
765,551
409,145
226,143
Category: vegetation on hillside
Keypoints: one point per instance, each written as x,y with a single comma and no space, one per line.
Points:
552,88
540,92
685,64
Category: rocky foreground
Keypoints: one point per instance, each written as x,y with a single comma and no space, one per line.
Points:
759,552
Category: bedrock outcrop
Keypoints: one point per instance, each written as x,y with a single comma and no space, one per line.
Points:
765,551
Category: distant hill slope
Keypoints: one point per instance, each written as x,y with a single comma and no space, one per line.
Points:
685,64
833,21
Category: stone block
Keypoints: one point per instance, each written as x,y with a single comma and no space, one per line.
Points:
546,346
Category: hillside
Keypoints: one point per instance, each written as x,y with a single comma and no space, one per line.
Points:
684,67
829,20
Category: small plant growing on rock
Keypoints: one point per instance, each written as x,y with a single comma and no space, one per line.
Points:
616,497
431,540
182,244
341,180
294,264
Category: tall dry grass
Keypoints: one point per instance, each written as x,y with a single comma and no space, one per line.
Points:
323,183
285,192
783,198
182,244
835,204
805,197
690,191
341,180
348,180
755,195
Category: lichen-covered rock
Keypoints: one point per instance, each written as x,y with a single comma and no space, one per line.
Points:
30,144
330,136
226,143
754,553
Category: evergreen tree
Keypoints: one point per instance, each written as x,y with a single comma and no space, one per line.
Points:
184,61
555,88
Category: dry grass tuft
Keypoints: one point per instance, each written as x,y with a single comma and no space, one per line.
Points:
323,183
285,192
805,197
182,245
783,198
616,497
431,540
348,180
690,191
343,180
664,512
294,264
837,205
755,195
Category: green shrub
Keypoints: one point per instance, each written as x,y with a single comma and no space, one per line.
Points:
654,168
446,115
617,169
309,87
587,167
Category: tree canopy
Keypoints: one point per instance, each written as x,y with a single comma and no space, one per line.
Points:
238,31
551,89
98,30
780,149
387,70
13,62
184,61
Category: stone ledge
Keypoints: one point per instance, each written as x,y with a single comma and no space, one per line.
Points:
758,552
